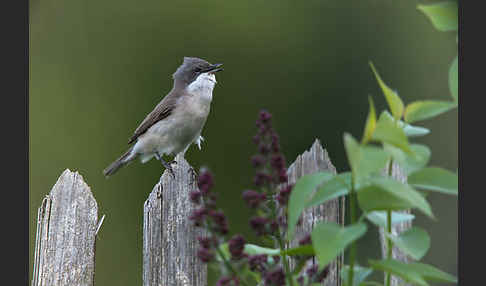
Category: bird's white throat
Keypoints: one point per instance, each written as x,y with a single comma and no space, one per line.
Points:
203,85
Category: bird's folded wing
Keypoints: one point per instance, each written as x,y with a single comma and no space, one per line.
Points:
161,111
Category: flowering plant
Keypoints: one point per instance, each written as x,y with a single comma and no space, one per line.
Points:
245,263
279,205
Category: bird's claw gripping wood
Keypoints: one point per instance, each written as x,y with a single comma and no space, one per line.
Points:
194,173
165,164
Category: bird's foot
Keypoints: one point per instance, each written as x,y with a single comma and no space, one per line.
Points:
193,172
171,171
165,164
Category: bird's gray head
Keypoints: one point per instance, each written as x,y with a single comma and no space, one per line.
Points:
192,68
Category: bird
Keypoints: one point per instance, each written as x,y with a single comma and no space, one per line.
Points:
179,118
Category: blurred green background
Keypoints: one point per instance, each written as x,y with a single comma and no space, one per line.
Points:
98,67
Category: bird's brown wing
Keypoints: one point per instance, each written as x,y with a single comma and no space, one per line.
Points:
161,111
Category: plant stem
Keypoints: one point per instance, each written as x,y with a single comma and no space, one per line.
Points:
221,254
389,243
353,250
389,230
288,274
229,266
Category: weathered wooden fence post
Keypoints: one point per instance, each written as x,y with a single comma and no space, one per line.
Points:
169,238
398,175
67,223
312,161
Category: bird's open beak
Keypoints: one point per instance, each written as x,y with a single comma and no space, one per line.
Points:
215,68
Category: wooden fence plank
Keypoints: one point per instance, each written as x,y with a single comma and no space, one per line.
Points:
312,161
169,243
66,234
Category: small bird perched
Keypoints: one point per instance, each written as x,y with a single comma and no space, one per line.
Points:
177,121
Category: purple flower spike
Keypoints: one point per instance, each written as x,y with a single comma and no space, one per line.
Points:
305,240
257,262
253,198
260,179
195,197
198,216
263,149
278,162
205,181
205,255
265,116
236,246
275,278
275,145
257,161
225,281
258,225
284,195
219,220
205,242
282,176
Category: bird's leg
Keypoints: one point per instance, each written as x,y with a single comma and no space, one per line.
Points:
194,173
167,166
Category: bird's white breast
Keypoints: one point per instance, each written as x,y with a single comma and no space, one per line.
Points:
203,86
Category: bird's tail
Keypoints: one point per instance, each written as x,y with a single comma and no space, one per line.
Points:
120,162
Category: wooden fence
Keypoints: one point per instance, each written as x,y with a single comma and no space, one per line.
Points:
67,225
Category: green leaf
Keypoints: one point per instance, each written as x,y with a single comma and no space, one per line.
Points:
300,194
443,15
453,79
253,249
330,239
387,194
298,268
414,242
300,250
431,273
394,101
435,179
225,251
424,109
413,131
370,123
416,273
364,160
247,275
360,274
379,218
409,163
399,269
339,185
410,130
388,131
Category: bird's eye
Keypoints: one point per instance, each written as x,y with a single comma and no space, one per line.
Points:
198,70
